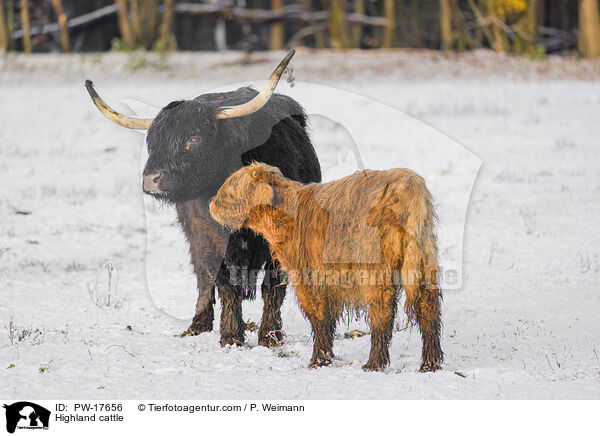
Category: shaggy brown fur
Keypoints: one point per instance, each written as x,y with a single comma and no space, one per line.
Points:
343,245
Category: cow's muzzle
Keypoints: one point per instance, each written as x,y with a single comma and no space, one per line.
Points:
152,182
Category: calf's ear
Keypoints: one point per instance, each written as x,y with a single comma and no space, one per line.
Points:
264,194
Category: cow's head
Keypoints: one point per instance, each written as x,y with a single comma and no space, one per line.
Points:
187,155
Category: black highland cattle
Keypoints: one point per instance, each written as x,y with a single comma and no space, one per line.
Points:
193,146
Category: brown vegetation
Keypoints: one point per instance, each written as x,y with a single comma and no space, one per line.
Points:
531,27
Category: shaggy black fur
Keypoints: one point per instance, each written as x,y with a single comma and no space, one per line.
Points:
195,152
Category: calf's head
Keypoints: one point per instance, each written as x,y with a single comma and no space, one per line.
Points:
190,149
245,192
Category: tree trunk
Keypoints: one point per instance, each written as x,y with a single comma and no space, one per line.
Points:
166,40
319,34
463,39
415,24
359,9
25,24
62,20
3,33
124,25
390,28
446,25
148,23
589,25
134,20
565,19
500,42
338,26
276,28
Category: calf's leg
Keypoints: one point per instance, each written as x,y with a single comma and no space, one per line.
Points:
382,311
429,321
323,332
322,320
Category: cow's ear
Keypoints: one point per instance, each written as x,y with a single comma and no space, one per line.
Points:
264,194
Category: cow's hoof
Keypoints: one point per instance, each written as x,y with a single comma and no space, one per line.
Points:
373,366
194,330
429,367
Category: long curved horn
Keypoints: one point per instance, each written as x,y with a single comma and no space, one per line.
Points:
111,114
263,96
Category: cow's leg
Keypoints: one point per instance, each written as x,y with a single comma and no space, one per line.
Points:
270,333
429,321
382,311
207,242
205,313
232,322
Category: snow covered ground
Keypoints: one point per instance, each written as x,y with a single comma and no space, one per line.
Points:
524,324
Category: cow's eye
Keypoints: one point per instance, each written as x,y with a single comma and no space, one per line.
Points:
193,142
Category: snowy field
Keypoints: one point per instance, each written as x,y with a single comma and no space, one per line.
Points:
518,140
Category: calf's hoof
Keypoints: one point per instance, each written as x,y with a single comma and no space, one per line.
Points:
231,340
318,363
271,339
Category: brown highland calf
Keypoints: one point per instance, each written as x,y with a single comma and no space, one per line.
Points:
346,246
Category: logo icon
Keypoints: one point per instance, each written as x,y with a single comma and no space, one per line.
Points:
25,415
